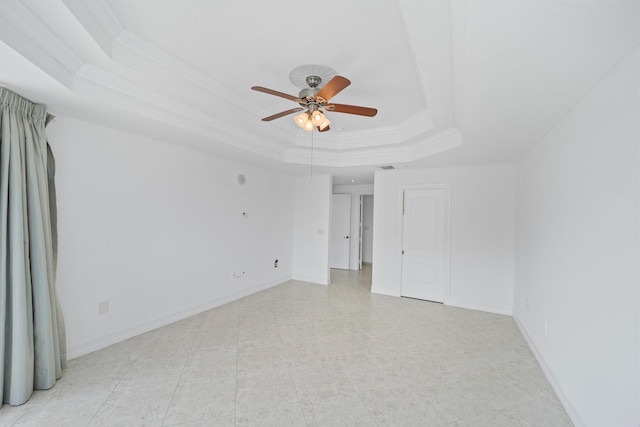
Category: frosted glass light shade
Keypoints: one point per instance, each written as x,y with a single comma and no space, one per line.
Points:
301,119
308,126
308,121
317,117
324,124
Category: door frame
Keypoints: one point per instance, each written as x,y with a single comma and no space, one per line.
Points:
360,232
447,232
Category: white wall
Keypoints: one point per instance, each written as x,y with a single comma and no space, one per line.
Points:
157,230
578,251
367,229
312,217
482,212
356,190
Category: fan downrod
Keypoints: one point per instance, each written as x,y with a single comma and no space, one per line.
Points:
307,95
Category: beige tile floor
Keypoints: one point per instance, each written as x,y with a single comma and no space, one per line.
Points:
308,355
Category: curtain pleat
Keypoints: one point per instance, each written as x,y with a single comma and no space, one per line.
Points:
32,347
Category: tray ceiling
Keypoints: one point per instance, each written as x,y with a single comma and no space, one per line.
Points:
454,82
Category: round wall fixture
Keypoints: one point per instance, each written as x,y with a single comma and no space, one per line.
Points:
241,179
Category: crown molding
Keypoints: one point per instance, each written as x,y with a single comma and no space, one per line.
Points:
443,141
350,158
458,58
139,77
25,32
436,42
115,90
418,124
411,34
157,70
134,52
100,21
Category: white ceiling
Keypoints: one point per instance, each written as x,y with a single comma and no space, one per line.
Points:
455,82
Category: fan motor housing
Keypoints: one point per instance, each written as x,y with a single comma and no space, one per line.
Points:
308,96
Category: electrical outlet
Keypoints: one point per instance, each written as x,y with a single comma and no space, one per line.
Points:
275,264
545,328
526,304
103,307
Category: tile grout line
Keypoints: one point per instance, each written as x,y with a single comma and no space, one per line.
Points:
291,376
175,390
235,403
356,390
113,389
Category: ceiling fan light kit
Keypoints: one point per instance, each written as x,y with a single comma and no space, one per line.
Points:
313,99
312,118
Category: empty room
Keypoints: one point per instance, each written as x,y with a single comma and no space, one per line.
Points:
346,213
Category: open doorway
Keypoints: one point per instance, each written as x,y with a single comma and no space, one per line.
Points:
367,230
360,232
351,230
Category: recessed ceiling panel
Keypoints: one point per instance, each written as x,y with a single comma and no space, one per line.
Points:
483,80
246,43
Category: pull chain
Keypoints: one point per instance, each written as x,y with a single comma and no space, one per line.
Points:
312,132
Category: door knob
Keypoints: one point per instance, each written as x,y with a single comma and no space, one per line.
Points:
346,237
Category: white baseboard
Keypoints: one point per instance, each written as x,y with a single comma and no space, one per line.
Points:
568,406
481,307
311,279
389,294
102,342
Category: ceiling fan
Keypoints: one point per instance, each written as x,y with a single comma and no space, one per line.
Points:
313,100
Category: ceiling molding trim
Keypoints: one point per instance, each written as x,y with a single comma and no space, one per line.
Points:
427,30
418,124
354,158
100,21
96,82
410,36
136,53
145,57
458,18
27,34
443,141
146,65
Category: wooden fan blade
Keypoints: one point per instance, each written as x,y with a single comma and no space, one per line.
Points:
323,130
332,88
352,109
276,93
284,113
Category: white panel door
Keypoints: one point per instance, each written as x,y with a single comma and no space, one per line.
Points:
339,247
425,243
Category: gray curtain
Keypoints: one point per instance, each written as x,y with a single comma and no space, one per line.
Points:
32,344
